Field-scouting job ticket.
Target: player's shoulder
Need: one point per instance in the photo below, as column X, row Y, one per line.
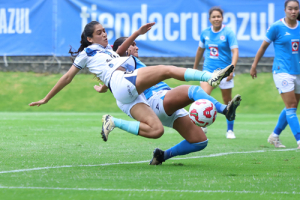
column 206, row 30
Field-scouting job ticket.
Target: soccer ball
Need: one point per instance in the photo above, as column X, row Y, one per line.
column 203, row 112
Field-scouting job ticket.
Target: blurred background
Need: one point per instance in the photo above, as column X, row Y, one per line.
column 36, row 35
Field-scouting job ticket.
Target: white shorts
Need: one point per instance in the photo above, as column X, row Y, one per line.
column 123, row 86
column 286, row 82
column 156, row 103
column 127, row 107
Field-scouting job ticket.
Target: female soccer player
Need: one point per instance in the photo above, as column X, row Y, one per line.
column 110, row 68
column 217, row 43
column 285, row 35
column 168, row 105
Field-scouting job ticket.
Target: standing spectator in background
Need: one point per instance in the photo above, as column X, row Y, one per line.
column 286, row 69
column 219, row 42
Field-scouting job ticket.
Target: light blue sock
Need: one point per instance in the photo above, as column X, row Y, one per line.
column 196, row 92
column 281, row 123
column 292, row 120
column 230, row 125
column 184, row 147
column 196, row 75
column 129, row 126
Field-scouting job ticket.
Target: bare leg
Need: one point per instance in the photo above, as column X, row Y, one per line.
column 226, row 94
column 206, row 87
column 188, row 130
column 149, row 76
column 150, row 125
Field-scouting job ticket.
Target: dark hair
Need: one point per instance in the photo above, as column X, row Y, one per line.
column 215, row 8
column 287, row 1
column 87, row 32
column 118, row 42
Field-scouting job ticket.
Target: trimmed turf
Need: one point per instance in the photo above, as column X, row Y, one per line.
column 243, row 168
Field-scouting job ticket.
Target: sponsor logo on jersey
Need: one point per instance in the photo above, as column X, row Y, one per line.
column 207, row 38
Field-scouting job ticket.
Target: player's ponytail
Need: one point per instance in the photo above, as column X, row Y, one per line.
column 87, row 32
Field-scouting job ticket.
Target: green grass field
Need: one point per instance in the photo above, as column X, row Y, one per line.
column 56, row 151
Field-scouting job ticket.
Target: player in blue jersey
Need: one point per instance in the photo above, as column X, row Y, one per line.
column 220, row 48
column 168, row 104
column 96, row 54
column 285, row 35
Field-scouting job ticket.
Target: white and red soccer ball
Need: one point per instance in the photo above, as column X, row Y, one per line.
column 203, row 112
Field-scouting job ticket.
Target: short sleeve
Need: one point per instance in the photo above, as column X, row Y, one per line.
column 80, row 60
column 232, row 40
column 202, row 41
column 271, row 34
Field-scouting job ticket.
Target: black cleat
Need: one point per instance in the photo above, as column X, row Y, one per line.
column 231, row 107
column 158, row 157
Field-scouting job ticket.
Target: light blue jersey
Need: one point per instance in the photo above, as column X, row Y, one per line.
column 286, row 45
column 159, row 86
column 218, row 46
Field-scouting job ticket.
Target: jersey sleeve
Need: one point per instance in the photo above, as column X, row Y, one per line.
column 271, row 34
column 202, row 41
column 80, row 60
column 232, row 40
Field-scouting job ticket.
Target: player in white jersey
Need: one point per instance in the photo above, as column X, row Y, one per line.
column 217, row 43
column 168, row 104
column 285, row 35
column 95, row 54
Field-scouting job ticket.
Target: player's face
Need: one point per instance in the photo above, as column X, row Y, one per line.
column 216, row 19
column 292, row 10
column 99, row 36
column 133, row 50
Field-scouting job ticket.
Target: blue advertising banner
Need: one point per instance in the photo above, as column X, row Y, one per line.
column 50, row 27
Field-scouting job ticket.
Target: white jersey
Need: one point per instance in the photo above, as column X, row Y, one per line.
column 102, row 61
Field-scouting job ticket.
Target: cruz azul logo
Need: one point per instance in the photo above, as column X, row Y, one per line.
column 214, row 51
column 295, row 45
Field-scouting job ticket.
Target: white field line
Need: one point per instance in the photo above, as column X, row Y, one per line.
column 137, row 162
column 148, row 190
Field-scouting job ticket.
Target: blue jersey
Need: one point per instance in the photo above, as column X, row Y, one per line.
column 286, row 45
column 217, row 47
column 159, row 86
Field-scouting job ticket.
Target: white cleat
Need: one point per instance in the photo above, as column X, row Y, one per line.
column 219, row 74
column 204, row 129
column 107, row 126
column 230, row 135
column 275, row 141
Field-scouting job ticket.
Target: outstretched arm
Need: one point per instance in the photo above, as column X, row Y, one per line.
column 259, row 54
column 100, row 88
column 198, row 57
column 142, row 30
column 62, row 82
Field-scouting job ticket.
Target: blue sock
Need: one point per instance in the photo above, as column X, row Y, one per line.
column 196, row 75
column 230, row 125
column 184, row 147
column 196, row 92
column 281, row 123
column 129, row 126
column 292, row 120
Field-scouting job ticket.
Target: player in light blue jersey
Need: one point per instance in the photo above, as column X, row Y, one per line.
column 219, row 46
column 168, row 104
column 285, row 35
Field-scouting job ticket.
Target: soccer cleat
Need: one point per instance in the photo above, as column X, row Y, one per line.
column 275, row 141
column 158, row 157
column 107, row 126
column 231, row 107
column 204, row 129
column 230, row 135
column 219, row 74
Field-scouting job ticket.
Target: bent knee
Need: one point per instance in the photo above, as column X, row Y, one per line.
column 158, row 132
